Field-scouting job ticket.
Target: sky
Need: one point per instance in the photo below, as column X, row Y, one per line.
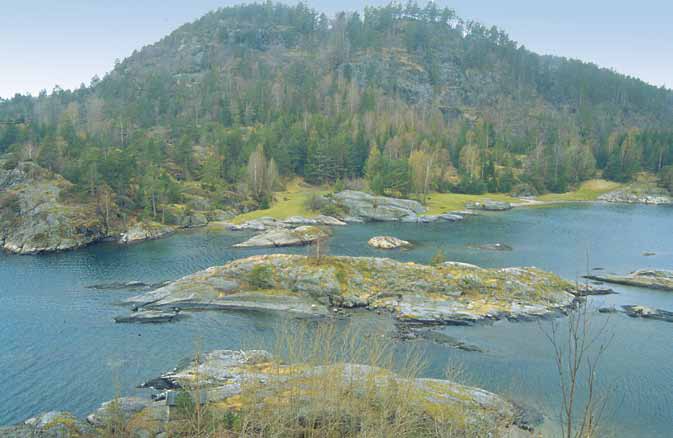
column 44, row 43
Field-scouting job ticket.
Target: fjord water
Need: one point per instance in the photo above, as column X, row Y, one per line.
column 60, row 349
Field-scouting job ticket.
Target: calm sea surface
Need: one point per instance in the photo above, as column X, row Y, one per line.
column 60, row 349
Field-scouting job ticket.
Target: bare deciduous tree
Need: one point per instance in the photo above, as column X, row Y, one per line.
column 578, row 350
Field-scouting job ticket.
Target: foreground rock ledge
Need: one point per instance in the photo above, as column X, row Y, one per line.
column 229, row 381
column 451, row 293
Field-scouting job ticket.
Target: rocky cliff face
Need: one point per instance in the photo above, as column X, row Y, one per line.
column 35, row 217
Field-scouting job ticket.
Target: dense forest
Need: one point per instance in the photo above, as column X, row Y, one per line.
column 409, row 98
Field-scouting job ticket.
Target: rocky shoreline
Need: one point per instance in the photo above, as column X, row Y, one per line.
column 37, row 214
column 646, row 278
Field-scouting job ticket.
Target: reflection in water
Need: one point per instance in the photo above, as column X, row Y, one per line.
column 60, row 348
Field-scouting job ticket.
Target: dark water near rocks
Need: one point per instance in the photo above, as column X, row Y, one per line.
column 60, row 349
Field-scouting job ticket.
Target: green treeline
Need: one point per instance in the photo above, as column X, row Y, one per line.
column 410, row 97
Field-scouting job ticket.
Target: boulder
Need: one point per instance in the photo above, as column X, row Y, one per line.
column 377, row 208
column 304, row 235
column 145, row 231
column 488, row 205
column 388, row 242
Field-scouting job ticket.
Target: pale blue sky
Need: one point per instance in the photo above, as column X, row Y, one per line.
column 66, row 42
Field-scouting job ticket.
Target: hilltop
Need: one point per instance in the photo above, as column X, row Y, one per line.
column 399, row 100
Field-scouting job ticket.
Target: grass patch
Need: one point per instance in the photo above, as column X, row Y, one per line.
column 438, row 203
column 587, row 191
column 291, row 202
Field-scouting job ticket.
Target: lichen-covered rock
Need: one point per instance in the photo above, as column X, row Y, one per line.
column 377, row 208
column 233, row 378
column 412, row 292
column 648, row 278
column 388, row 242
column 304, row 235
column 145, row 231
column 35, row 217
column 489, row 205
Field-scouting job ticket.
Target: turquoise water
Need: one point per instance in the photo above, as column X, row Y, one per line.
column 60, row 348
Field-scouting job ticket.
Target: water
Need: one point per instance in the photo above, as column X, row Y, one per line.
column 60, row 348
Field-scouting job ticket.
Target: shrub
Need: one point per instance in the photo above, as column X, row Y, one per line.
column 438, row 258
column 315, row 202
column 261, row 277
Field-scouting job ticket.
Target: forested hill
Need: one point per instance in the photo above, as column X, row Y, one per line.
column 378, row 95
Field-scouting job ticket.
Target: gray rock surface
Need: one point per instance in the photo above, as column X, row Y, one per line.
column 489, row 205
column 149, row 317
column 639, row 194
column 300, row 236
column 145, row 231
column 377, row 208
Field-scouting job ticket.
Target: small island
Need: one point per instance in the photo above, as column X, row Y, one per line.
column 449, row 293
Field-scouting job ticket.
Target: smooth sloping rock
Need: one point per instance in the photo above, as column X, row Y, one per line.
column 134, row 285
column 145, row 231
column 148, row 317
column 648, row 278
column 377, row 208
column 300, row 236
column 388, row 242
column 329, row 220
